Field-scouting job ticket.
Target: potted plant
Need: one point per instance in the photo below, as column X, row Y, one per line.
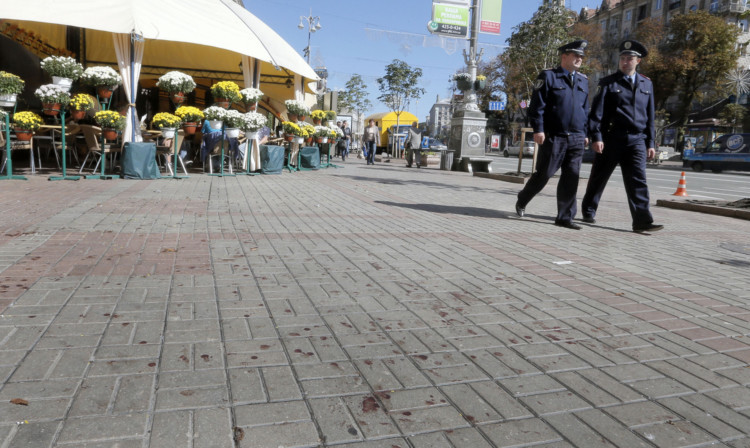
column 25, row 124
column 334, row 133
column 53, row 98
column 177, row 84
column 234, row 120
column 330, row 116
column 308, row 132
column 321, row 134
column 190, row 116
column 111, row 123
column 254, row 121
column 250, row 97
column 296, row 110
column 104, row 79
column 167, row 123
column 215, row 115
column 463, row 81
column 480, row 83
column 318, row 116
column 291, row 130
column 79, row 104
column 225, row 92
column 63, row 70
column 10, row 86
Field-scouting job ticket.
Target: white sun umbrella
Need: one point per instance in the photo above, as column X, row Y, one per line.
column 147, row 32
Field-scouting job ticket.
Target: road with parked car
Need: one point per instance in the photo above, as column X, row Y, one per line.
column 662, row 179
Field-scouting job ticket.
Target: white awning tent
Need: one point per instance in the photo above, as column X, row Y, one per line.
column 205, row 38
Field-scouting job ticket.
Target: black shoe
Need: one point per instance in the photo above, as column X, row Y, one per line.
column 648, row 228
column 520, row 211
column 589, row 220
column 568, row 225
column 408, row 166
column 417, row 166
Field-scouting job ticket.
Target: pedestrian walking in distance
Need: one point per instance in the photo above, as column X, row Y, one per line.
column 558, row 115
column 621, row 126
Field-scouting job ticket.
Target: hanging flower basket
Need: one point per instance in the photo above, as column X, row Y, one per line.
column 178, row 98
column 104, row 92
column 23, row 135
column 8, row 99
column 109, row 134
column 77, row 115
column 480, row 84
column 189, row 127
column 463, row 84
column 51, row 108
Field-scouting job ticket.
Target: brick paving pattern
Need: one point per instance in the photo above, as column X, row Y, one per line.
column 363, row 307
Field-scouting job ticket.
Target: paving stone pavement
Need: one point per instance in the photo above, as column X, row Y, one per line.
column 363, row 307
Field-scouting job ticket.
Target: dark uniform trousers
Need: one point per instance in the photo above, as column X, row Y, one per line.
column 630, row 152
column 557, row 152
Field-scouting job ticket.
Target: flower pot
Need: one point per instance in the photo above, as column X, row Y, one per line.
column 167, row 132
column 289, row 137
column 232, row 132
column 292, row 117
column 216, row 124
column 109, row 134
column 189, row 127
column 299, row 140
column 223, row 102
column 51, row 108
column 301, row 118
column 251, row 135
column 77, row 114
column 480, row 84
column 104, row 92
column 64, row 83
column 252, row 106
column 316, row 121
column 8, row 99
column 23, row 135
column 309, row 141
column 463, row 84
column 178, row 98
column 322, row 139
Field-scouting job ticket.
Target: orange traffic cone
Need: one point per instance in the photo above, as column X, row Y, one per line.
column 681, row 186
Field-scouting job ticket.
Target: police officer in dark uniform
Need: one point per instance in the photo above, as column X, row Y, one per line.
column 558, row 114
column 621, row 126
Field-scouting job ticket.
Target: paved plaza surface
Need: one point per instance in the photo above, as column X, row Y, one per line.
column 364, row 307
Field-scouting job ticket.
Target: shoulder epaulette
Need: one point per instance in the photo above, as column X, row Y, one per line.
column 646, row 77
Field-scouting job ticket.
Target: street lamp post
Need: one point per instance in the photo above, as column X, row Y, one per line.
column 313, row 25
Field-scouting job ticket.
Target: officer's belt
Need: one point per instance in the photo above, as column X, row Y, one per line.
column 567, row 134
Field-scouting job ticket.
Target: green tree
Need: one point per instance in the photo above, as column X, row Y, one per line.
column 354, row 96
column 399, row 86
column 532, row 47
column 733, row 115
column 702, row 49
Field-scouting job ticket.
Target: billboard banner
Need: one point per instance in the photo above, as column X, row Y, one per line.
column 450, row 20
column 489, row 16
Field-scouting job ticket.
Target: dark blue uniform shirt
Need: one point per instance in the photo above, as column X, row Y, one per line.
column 619, row 110
column 557, row 107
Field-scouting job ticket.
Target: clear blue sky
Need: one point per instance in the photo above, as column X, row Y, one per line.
column 363, row 37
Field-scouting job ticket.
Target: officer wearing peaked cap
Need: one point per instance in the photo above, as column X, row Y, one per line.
column 558, row 115
column 621, row 127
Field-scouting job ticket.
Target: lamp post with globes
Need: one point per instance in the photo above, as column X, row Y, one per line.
column 313, row 25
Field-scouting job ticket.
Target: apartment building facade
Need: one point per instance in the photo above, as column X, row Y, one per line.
column 440, row 116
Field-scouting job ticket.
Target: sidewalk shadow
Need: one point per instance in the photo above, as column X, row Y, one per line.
column 432, row 184
column 454, row 210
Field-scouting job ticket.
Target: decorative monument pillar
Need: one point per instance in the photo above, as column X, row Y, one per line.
column 468, row 124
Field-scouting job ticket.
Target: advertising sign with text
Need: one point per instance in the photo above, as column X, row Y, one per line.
column 450, row 20
column 489, row 17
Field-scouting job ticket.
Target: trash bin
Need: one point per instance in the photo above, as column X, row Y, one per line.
column 446, row 160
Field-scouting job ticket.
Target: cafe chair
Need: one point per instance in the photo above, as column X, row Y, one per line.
column 163, row 152
column 72, row 132
column 93, row 134
column 20, row 145
column 216, row 154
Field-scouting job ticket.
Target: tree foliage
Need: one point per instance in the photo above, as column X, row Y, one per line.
column 399, row 86
column 733, row 115
column 702, row 49
column 532, row 47
column 354, row 96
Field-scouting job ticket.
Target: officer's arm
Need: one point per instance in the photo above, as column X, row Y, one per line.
column 536, row 108
column 595, row 118
column 650, row 126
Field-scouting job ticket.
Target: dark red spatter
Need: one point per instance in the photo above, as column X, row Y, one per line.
column 265, row 347
column 205, row 357
column 370, row 405
column 422, row 357
column 184, row 358
column 470, row 418
column 368, row 362
column 152, row 364
column 406, row 413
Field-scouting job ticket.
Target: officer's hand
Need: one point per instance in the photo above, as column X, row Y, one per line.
column 539, row 138
column 651, row 153
column 598, row 147
column 586, row 141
